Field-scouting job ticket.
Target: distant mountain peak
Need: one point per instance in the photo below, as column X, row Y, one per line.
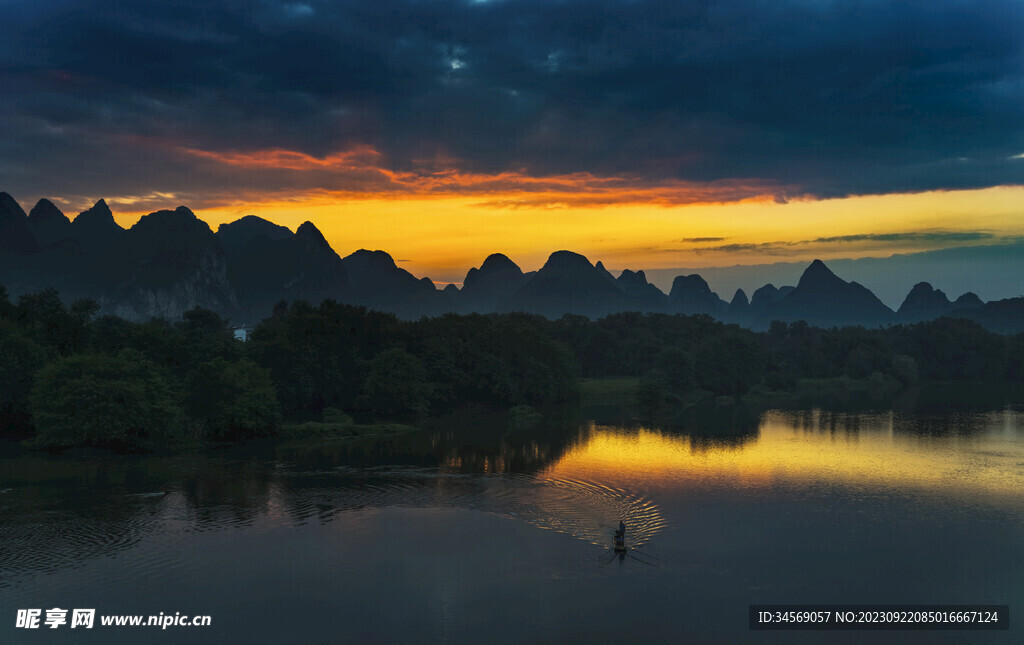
column 635, row 285
column 308, row 231
column 764, row 296
column 242, row 232
column 10, row 208
column 923, row 303
column 247, row 221
column 632, row 278
column 689, row 284
column 15, row 234
column 569, row 283
column 44, row 211
column 98, row 215
column 924, row 293
column 494, row 282
column 969, row 299
column 603, row 271
column 95, row 228
column 181, row 219
column 377, row 257
column 691, row 294
column 48, row 224
column 823, row 299
column 818, row 276
column 369, row 262
column 499, row 262
column 567, row 260
column 101, row 208
column 739, row 298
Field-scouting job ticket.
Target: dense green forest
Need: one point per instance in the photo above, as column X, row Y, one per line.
column 70, row 377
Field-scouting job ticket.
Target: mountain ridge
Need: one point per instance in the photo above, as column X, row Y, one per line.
column 171, row 261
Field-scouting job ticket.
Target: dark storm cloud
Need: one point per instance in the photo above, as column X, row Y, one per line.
column 831, row 98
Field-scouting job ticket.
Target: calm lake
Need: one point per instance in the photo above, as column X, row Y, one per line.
column 481, row 535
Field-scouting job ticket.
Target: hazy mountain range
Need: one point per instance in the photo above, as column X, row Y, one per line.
column 993, row 271
column 171, row 261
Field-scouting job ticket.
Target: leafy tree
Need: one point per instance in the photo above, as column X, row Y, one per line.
column 317, row 355
column 729, row 363
column 85, row 309
column 904, row 368
column 500, row 360
column 5, row 303
column 118, row 400
column 21, row 359
column 675, row 364
column 232, row 400
column 396, row 387
column 44, row 316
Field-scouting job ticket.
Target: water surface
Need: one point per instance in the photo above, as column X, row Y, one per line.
column 482, row 534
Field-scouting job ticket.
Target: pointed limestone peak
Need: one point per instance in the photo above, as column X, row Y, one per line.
column 15, row 234
column 98, row 216
column 603, row 271
column 307, row 231
column 10, row 208
column 46, row 211
column 739, row 299
column 48, row 224
column 818, row 276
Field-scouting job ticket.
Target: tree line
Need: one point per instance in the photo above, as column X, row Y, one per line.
column 69, row 376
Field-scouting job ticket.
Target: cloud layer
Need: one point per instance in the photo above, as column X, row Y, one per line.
column 874, row 241
column 795, row 97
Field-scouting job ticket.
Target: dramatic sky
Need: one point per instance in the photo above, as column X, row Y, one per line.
column 648, row 134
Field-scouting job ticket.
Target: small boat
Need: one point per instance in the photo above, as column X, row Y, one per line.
column 619, row 541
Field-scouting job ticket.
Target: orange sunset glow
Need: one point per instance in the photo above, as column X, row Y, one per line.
column 442, row 223
column 439, row 221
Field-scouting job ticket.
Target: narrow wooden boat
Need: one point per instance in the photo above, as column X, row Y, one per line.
column 619, row 541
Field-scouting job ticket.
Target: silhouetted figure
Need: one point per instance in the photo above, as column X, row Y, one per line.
column 620, row 538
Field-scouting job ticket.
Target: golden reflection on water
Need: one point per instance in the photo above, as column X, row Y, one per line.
column 977, row 454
